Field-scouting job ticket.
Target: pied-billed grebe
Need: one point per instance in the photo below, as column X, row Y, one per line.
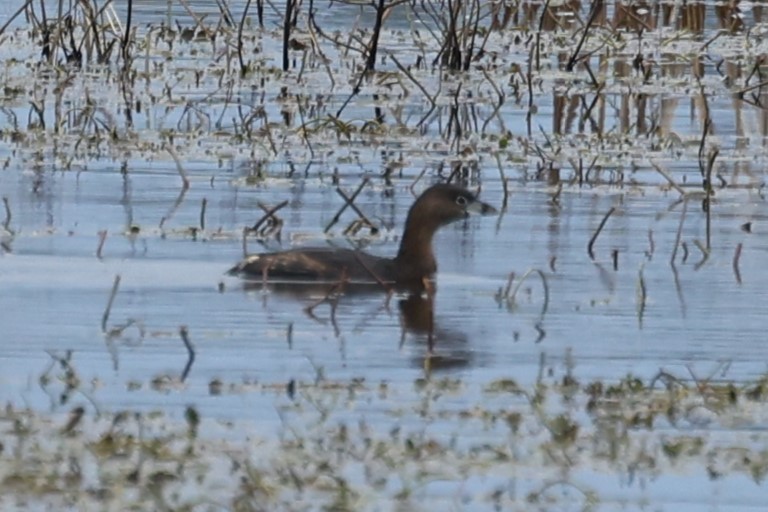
column 437, row 206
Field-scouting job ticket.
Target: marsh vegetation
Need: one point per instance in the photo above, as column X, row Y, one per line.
column 599, row 344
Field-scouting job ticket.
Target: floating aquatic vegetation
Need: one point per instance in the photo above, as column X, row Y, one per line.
column 509, row 446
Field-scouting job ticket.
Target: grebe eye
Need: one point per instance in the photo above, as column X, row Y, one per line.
column 461, row 201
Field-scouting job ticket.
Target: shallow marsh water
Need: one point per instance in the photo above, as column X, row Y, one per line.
column 699, row 324
column 54, row 279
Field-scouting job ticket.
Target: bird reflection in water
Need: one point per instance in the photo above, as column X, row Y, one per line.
column 417, row 317
column 445, row 347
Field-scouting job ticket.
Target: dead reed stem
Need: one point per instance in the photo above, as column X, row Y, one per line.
column 304, row 133
column 651, row 244
column 416, row 180
column 556, row 196
column 508, row 288
column 456, row 126
column 203, row 206
column 15, row 15
column 736, row 257
column 226, row 13
column 347, row 202
column 127, row 35
column 199, row 25
column 544, row 12
column 373, row 46
column 502, row 98
column 739, row 93
column 354, row 207
column 8, row 216
column 597, row 233
column 708, row 198
column 102, row 239
column 529, row 80
column 702, row 143
column 355, row 92
column 289, row 335
column 332, row 297
column 704, row 254
column 289, row 4
column 269, row 214
column 275, row 224
column 679, row 291
column 667, row 177
column 108, row 309
column 184, row 179
column 430, row 98
column 184, row 333
column 679, row 234
column 596, row 6
column 642, row 294
column 175, row 206
column 243, row 66
column 260, row 11
column 545, row 285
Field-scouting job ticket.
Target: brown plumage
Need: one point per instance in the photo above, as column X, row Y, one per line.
column 415, row 261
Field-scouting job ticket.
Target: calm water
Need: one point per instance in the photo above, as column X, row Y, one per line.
column 57, row 288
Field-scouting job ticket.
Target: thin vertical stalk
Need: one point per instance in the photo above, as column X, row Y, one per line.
column 243, row 67
column 370, row 64
column 287, row 32
column 127, row 34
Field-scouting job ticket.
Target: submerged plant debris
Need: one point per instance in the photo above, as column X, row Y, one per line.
column 356, row 445
column 508, row 89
